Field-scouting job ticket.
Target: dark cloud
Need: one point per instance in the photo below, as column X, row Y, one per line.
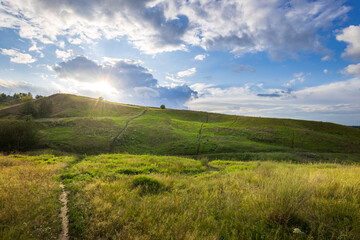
column 268, row 95
column 127, row 76
column 229, row 42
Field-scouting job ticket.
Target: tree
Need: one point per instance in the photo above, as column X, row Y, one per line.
column 45, row 108
column 28, row 108
column 18, row 135
column 162, row 106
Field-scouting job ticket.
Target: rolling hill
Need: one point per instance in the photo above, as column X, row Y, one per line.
column 92, row 126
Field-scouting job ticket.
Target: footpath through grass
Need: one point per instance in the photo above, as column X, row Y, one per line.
column 149, row 197
column 29, row 196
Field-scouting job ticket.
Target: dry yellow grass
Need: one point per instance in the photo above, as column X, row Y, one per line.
column 29, row 192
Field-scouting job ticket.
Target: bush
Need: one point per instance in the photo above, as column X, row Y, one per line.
column 147, row 184
column 17, row 135
column 162, row 106
column 45, row 108
column 28, row 108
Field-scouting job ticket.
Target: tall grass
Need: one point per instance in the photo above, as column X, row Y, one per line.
column 231, row 200
column 29, row 192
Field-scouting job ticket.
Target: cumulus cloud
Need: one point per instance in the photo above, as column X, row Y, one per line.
column 352, row 69
column 187, row 73
column 351, row 36
column 280, row 27
column 18, row 57
column 200, row 57
column 64, row 54
column 132, row 82
column 328, row 102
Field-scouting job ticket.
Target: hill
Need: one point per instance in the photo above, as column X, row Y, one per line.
column 92, row 126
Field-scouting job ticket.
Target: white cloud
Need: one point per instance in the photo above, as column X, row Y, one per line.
column 351, row 36
column 170, row 25
column 326, row 71
column 37, row 49
column 18, row 57
column 187, row 73
column 328, row 102
column 200, row 57
column 75, row 40
column 326, row 58
column 352, row 69
column 61, row 44
column 64, row 54
column 298, row 77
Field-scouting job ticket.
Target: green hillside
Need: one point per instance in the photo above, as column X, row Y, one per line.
column 92, row 126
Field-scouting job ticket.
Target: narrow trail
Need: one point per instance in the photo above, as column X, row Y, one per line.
column 200, row 134
column 64, row 235
column 112, row 145
column 236, row 118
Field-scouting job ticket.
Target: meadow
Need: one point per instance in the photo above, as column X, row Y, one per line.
column 148, row 197
column 175, row 174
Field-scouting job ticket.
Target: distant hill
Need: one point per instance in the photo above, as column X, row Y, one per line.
column 87, row 125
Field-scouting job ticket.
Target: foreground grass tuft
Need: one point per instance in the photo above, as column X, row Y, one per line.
column 147, row 184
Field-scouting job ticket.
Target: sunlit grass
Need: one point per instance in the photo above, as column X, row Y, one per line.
column 29, row 192
column 225, row 200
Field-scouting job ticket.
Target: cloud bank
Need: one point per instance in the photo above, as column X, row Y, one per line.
column 327, row 102
column 125, row 80
column 280, row 27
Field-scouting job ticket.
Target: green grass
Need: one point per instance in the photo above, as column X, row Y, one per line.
column 88, row 126
column 124, row 196
column 29, row 192
column 149, row 197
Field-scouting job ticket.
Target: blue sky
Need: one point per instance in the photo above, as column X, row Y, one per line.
column 271, row 58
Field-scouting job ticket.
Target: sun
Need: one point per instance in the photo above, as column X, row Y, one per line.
column 102, row 87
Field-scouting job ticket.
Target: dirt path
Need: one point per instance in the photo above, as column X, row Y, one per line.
column 64, row 235
column 200, row 134
column 112, row 145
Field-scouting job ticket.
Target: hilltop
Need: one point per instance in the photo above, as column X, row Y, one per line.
column 86, row 125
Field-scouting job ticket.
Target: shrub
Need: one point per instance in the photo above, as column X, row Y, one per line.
column 45, row 108
column 28, row 108
column 162, row 106
column 147, row 184
column 17, row 135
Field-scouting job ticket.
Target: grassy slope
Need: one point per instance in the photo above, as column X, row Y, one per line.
column 185, row 199
column 29, row 192
column 86, row 125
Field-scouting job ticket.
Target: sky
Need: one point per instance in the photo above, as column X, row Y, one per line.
column 266, row 58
